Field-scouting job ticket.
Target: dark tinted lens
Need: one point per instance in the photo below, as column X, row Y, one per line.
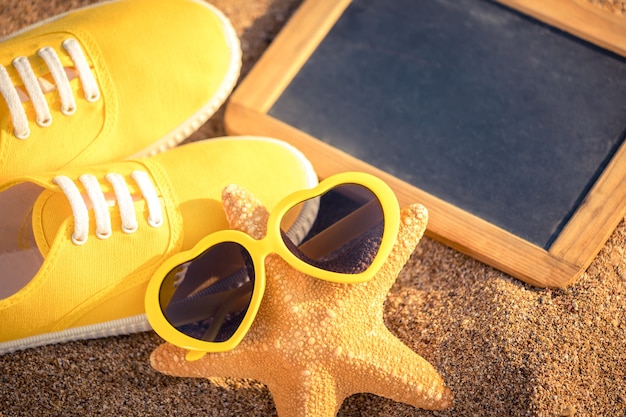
column 208, row 297
column 347, row 233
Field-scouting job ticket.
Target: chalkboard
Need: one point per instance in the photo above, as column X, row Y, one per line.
column 497, row 114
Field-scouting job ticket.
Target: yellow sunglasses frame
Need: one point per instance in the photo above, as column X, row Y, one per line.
column 260, row 249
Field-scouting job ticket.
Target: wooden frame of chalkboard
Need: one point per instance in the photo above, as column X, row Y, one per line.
column 578, row 240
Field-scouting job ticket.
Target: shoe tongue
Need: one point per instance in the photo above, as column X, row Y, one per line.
column 50, row 211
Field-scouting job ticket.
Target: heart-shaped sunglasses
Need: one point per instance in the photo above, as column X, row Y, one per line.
column 206, row 299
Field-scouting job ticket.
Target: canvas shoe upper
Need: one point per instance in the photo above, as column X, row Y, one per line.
column 110, row 81
column 78, row 246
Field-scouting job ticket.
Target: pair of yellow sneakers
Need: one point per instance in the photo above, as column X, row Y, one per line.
column 90, row 206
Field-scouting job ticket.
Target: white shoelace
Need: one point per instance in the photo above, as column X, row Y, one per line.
column 37, row 87
column 100, row 206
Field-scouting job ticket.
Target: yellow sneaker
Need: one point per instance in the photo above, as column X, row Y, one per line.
column 115, row 80
column 78, row 246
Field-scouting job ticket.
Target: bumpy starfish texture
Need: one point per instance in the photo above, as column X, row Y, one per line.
column 314, row 343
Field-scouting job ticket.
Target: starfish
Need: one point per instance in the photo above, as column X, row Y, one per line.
column 313, row 343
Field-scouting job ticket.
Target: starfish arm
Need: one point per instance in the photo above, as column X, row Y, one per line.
column 394, row 371
column 413, row 221
column 306, row 393
column 296, row 392
column 238, row 363
column 244, row 211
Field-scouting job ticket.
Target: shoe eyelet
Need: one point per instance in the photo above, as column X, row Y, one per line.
column 155, row 222
column 94, row 97
column 65, row 44
column 23, row 135
column 77, row 241
column 44, row 50
column 44, row 122
column 19, row 60
column 103, row 236
column 129, row 229
column 68, row 111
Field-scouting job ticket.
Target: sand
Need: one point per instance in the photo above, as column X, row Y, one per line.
column 504, row 347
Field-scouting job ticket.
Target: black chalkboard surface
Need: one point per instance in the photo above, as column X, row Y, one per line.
column 496, row 113
column 468, row 101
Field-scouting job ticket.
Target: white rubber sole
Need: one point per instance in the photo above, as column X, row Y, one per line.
column 123, row 326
